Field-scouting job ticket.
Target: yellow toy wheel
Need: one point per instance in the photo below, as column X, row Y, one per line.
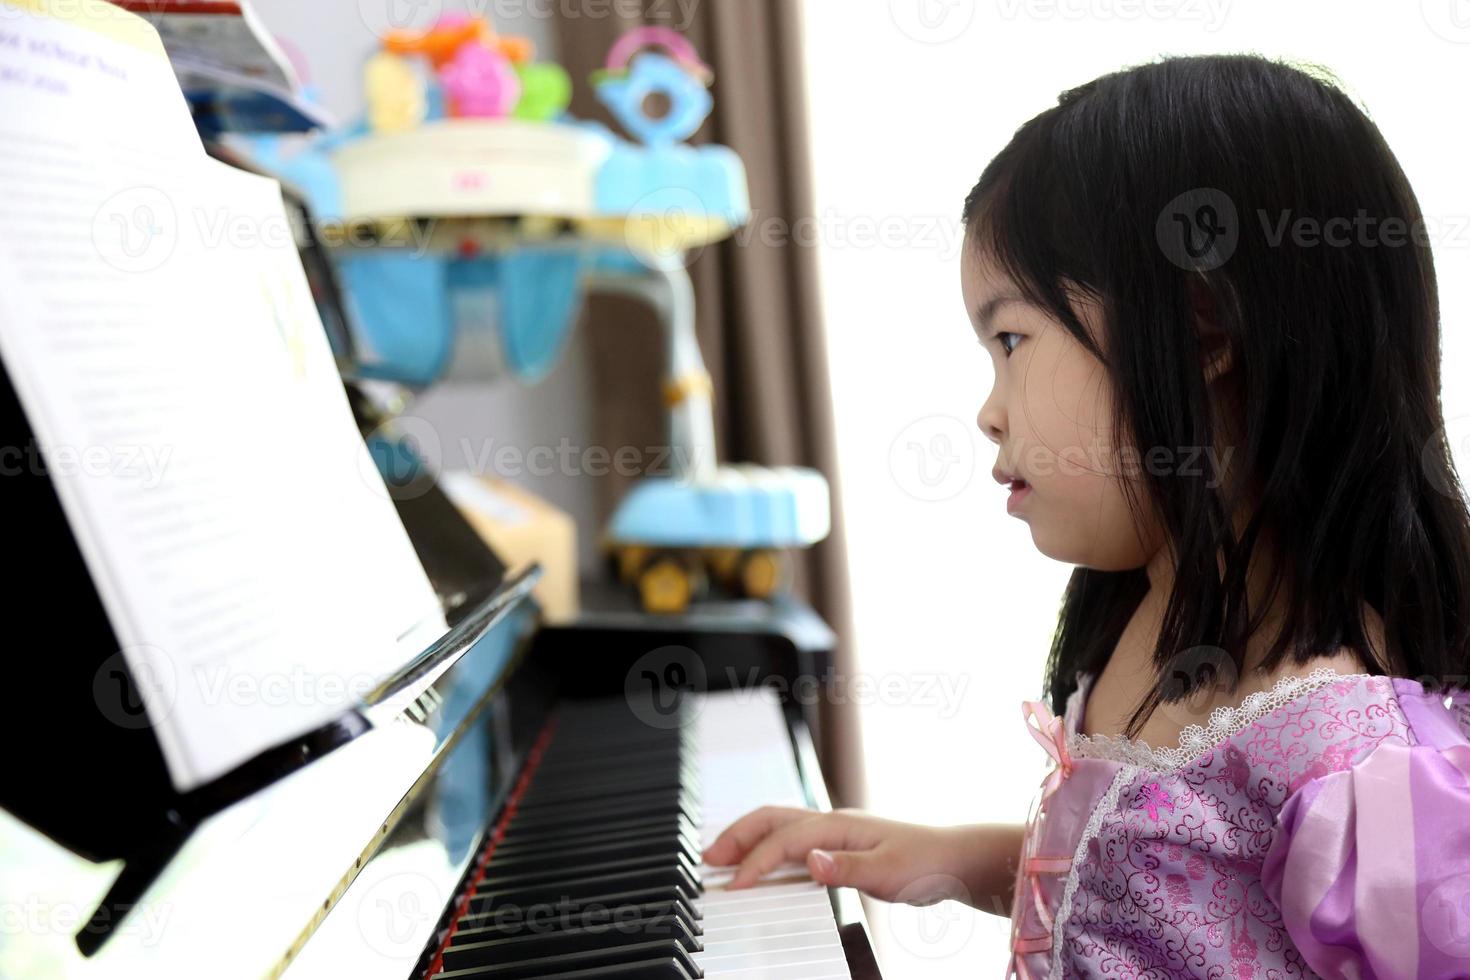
column 665, row 586
column 761, row 574
column 724, row 564
column 630, row 559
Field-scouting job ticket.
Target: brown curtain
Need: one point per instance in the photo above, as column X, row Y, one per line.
column 759, row 320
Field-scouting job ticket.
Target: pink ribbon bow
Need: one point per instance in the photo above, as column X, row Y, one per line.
column 1051, row 733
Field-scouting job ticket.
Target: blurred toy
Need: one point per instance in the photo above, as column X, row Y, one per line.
column 666, row 195
column 478, row 73
column 476, row 216
column 480, row 81
column 675, row 535
column 396, row 98
column 683, row 80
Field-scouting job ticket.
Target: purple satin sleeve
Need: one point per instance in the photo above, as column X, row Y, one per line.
column 1370, row 865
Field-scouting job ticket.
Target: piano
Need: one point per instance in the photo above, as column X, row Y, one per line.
column 521, row 800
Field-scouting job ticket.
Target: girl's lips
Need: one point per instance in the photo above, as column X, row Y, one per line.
column 1020, row 490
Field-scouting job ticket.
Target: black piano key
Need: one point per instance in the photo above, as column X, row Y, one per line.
column 530, row 842
column 509, row 921
column 498, row 914
column 605, row 813
column 613, row 785
column 665, row 846
column 533, row 876
column 467, row 951
column 667, row 968
column 586, row 960
column 654, row 800
column 675, row 877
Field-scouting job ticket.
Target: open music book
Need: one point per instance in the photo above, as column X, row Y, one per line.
column 158, row 327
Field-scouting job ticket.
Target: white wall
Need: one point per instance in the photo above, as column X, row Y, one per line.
column 909, row 99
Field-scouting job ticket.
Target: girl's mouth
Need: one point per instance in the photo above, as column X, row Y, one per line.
column 1020, row 490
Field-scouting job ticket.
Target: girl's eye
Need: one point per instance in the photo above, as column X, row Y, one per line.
column 1001, row 336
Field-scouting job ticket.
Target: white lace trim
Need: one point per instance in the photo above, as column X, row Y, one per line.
column 1194, row 741
column 1107, row 805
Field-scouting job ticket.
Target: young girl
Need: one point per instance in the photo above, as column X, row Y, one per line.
column 1207, row 292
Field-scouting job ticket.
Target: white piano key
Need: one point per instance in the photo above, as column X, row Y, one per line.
column 782, row 928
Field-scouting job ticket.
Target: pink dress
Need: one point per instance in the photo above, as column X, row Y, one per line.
column 1321, row 828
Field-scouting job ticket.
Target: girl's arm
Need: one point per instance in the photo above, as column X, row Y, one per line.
column 892, row 861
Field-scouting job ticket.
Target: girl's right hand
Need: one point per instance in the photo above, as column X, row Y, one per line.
column 887, row 859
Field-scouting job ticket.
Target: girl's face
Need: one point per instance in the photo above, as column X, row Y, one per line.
column 1050, row 414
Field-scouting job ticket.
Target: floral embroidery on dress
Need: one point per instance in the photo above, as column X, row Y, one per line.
column 1171, row 884
column 1152, row 797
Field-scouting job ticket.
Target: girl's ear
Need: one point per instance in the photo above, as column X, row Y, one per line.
column 1216, row 354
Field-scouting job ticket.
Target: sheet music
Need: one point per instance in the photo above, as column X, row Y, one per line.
column 159, row 329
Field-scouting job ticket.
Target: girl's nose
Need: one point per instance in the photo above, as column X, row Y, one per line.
column 991, row 421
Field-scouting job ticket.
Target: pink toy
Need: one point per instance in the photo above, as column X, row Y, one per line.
column 663, row 37
column 480, row 82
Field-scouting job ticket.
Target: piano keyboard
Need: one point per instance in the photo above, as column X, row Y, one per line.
column 594, row 869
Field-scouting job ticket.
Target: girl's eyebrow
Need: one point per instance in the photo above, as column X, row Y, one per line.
column 985, row 313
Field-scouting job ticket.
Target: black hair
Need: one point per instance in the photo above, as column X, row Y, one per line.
column 1153, row 187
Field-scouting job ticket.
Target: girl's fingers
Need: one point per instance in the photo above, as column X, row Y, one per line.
column 850, row 869
column 791, row 843
column 742, row 835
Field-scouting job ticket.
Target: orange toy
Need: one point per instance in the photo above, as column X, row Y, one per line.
column 452, row 32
